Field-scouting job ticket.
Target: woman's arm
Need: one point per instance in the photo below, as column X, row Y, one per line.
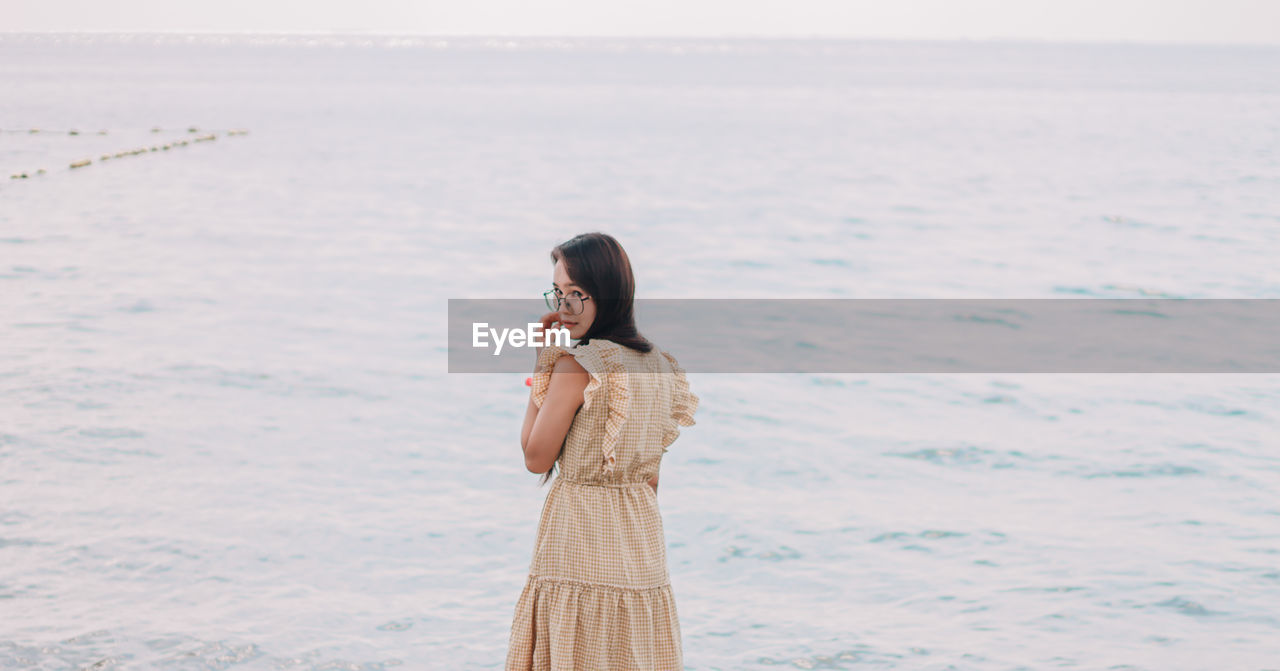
column 545, row 428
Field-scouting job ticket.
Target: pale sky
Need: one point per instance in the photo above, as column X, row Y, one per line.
column 1191, row 21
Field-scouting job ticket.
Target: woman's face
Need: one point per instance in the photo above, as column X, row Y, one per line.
column 576, row 323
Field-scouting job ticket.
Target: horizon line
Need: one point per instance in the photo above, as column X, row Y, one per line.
column 814, row 37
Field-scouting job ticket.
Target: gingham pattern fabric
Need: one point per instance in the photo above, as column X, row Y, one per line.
column 598, row 596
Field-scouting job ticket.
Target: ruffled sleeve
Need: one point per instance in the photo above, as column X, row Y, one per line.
column 610, row 384
column 684, row 403
column 542, row 372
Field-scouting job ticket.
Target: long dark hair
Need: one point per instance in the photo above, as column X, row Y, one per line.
column 598, row 264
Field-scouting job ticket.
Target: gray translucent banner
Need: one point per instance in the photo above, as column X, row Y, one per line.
column 895, row 335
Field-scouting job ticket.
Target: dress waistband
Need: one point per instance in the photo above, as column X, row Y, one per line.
column 584, row 483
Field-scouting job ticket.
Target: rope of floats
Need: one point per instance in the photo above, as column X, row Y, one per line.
column 82, row 163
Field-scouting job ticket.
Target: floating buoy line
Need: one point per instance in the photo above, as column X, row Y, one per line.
column 194, row 135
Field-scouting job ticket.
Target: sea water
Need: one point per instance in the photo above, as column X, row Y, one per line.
column 228, row 438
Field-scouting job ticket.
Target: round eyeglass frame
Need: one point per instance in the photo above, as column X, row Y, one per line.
column 554, row 301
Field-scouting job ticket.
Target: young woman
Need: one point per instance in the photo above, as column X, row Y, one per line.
column 598, row 596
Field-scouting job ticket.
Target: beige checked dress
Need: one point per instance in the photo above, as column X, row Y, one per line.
column 598, row 596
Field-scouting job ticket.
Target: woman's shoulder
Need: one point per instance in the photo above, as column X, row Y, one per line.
column 601, row 350
column 567, row 363
column 608, row 353
column 610, row 361
column 596, row 356
column 595, row 344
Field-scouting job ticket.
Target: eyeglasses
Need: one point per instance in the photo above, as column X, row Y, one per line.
column 574, row 303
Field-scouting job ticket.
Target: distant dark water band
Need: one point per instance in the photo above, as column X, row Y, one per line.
column 895, row 335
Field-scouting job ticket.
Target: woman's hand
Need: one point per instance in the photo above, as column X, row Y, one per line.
column 549, row 320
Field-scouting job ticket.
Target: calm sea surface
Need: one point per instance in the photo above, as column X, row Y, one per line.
column 228, row 441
